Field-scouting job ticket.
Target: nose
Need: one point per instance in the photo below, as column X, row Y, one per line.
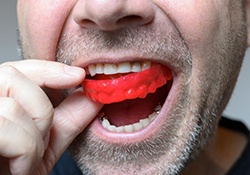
column 113, row 14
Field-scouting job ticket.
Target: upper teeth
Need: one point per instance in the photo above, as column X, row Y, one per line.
column 125, row 67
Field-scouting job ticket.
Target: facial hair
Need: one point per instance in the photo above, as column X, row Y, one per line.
column 167, row 151
column 181, row 137
column 188, row 128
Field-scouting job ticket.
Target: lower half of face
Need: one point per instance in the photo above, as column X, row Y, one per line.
column 162, row 94
column 156, row 132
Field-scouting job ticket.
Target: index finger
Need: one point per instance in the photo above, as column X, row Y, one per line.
column 49, row 73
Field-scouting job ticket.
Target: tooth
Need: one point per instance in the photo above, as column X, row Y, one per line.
column 146, row 65
column 128, row 128
column 136, row 67
column 137, row 126
column 111, row 128
column 124, row 67
column 158, row 108
column 105, row 123
column 92, row 70
column 119, row 129
column 110, row 69
column 99, row 69
column 152, row 116
column 145, row 122
column 133, row 127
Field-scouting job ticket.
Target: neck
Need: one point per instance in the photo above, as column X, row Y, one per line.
column 220, row 155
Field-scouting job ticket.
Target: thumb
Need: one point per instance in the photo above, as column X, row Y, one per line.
column 70, row 118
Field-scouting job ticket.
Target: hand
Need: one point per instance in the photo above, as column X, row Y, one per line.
column 33, row 134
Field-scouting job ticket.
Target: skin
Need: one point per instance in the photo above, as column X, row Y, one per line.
column 188, row 36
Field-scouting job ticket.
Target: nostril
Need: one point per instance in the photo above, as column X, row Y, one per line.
column 132, row 19
column 113, row 14
column 87, row 22
column 113, row 24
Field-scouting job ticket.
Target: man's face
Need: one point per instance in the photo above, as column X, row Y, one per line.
column 201, row 42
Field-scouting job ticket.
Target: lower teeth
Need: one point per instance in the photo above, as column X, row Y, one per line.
column 132, row 127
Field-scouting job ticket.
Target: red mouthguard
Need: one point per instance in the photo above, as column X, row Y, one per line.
column 129, row 86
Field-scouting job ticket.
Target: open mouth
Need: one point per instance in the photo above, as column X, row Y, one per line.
column 132, row 93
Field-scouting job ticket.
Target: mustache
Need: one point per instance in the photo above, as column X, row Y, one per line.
column 145, row 43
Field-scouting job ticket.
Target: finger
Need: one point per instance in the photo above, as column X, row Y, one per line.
column 70, row 118
column 49, row 73
column 24, row 152
column 15, row 85
column 14, row 112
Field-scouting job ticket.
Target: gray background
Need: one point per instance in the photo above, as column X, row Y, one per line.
column 239, row 105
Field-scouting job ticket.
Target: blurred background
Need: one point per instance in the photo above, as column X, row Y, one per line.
column 238, row 107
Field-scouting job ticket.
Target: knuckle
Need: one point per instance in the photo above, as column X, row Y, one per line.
column 8, row 63
column 34, row 148
column 10, row 107
column 30, row 155
column 8, row 74
column 11, row 103
column 8, row 69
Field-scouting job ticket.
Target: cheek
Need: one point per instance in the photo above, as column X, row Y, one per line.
column 40, row 24
column 199, row 22
column 203, row 26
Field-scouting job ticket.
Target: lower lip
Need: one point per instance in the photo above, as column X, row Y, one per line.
column 117, row 138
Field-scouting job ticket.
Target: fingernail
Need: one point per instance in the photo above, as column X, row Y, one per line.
column 74, row 71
